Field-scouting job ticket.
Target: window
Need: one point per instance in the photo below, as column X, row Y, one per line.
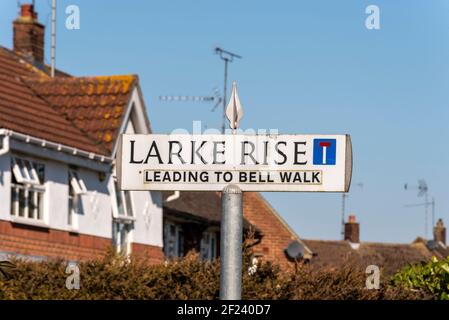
column 173, row 240
column 122, row 236
column 209, row 246
column 25, row 171
column 124, row 208
column 123, row 220
column 27, row 189
column 77, row 188
column 77, row 184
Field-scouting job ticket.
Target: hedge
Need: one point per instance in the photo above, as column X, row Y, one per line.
column 113, row 277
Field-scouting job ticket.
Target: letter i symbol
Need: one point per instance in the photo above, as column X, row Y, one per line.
column 325, row 145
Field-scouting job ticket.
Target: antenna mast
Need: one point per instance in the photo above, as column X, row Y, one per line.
column 53, row 38
column 227, row 57
column 343, row 209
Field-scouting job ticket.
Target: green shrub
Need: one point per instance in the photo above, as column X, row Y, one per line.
column 432, row 277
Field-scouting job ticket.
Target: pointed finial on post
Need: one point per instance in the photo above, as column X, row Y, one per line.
column 234, row 111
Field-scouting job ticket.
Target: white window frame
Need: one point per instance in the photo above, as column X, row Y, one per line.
column 78, row 185
column 122, row 236
column 127, row 204
column 24, row 171
column 29, row 190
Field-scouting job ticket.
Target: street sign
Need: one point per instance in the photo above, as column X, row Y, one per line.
column 315, row 163
column 233, row 164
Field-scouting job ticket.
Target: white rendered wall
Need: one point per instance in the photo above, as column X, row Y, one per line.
column 148, row 212
column 95, row 217
column 5, row 190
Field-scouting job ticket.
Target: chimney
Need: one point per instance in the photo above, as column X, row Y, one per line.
column 352, row 230
column 439, row 232
column 29, row 34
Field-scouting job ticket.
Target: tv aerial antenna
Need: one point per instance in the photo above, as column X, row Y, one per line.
column 215, row 98
column 423, row 191
column 227, row 57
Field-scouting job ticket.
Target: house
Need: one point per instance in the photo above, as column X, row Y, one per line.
column 390, row 257
column 58, row 194
column 192, row 222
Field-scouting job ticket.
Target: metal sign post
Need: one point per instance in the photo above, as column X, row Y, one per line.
column 232, row 221
column 231, row 243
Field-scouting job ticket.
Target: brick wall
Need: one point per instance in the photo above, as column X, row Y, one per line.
column 29, row 40
column 276, row 235
column 44, row 242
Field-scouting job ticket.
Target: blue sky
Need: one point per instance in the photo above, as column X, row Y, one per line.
column 307, row 67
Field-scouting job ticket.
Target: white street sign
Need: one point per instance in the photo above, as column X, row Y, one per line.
column 317, row 163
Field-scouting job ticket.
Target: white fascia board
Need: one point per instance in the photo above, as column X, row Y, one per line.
column 4, row 138
column 55, row 155
column 37, row 146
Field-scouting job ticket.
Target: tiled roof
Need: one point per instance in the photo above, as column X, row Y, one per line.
column 390, row 257
column 95, row 105
column 206, row 205
column 84, row 113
